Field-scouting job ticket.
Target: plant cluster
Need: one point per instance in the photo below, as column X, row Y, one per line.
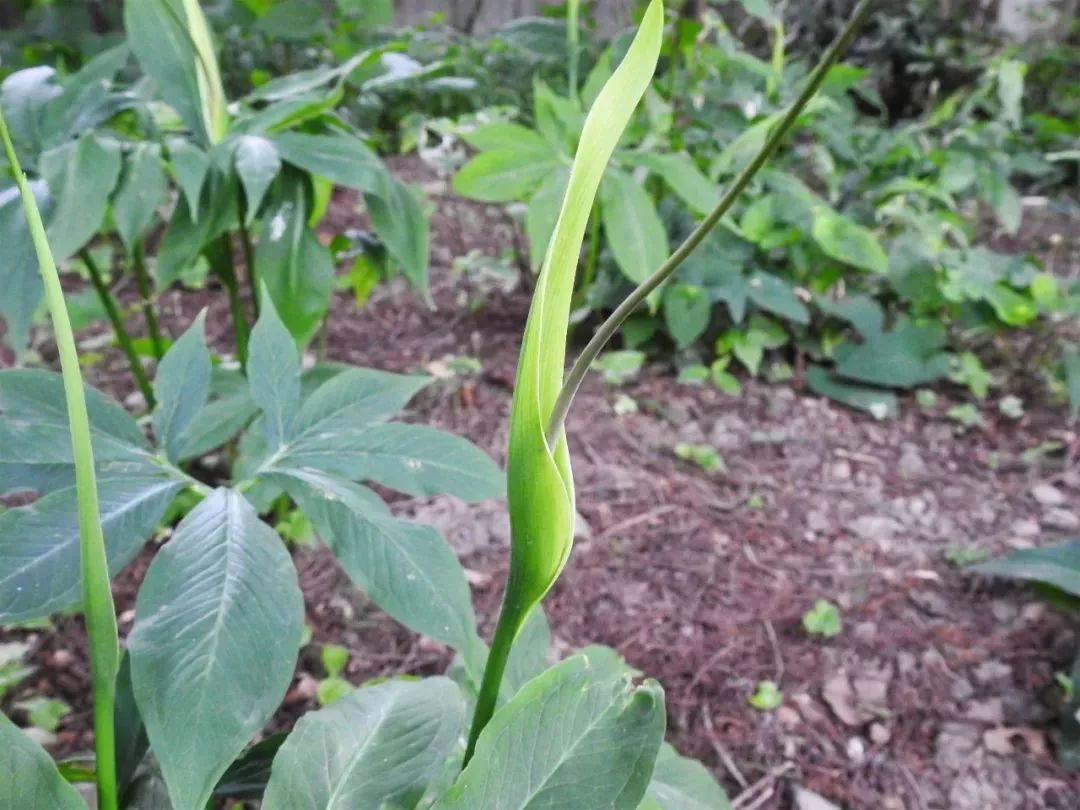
column 855, row 261
column 164, row 179
column 219, row 616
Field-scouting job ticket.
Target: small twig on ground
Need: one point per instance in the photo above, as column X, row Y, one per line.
column 721, row 751
column 762, row 790
column 770, row 631
column 636, row 520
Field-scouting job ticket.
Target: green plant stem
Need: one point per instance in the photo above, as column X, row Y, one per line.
column 117, row 321
column 142, row 279
column 661, row 274
column 249, row 255
column 219, row 254
column 510, row 618
column 98, row 608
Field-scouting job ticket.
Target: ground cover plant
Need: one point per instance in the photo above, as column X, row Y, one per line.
column 857, row 246
column 229, row 188
column 218, row 620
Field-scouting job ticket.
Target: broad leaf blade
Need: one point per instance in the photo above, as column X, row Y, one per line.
column 414, row 459
column 217, row 631
column 679, row 783
column 30, row 779
column 19, row 277
column 376, row 747
column 296, row 269
column 573, row 737
column 257, row 163
column 358, row 397
column 39, row 543
column 81, row 175
column 635, row 231
column 141, row 190
column 274, row 375
column 1054, row 565
column 181, row 388
column 405, row 568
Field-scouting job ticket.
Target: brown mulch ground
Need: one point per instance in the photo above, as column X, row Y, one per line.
column 938, row 692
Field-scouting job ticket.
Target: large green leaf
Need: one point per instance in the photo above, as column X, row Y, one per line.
column 908, row 356
column 864, row 398
column 504, row 175
column 398, row 218
column 848, row 242
column 141, row 190
column 39, row 543
column 217, row 631
column 687, row 310
column 573, row 737
column 775, row 295
column 635, row 232
column 295, row 268
column 543, row 213
column 30, row 779
column 341, row 158
column 274, row 375
column 679, row 783
column 230, row 408
column 19, row 277
column 684, row 178
column 257, row 163
column 1058, row 566
column 35, row 450
column 23, row 96
column 190, row 165
column 171, row 41
column 301, row 83
column 405, row 568
column 375, row 748
column 357, row 396
column 181, row 388
column 88, row 99
column 188, row 236
column 415, row 459
column 540, row 482
column 81, row 175
column 505, row 135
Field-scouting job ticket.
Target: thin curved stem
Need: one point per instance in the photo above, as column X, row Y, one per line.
column 98, row 608
column 608, row 329
column 142, row 279
column 121, row 332
column 501, row 645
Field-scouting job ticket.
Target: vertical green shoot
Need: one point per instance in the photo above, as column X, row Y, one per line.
column 540, row 484
column 97, row 593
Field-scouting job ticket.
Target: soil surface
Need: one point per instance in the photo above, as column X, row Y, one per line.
column 938, row 694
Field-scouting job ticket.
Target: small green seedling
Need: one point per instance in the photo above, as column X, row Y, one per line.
column 695, row 374
column 625, row 405
column 723, row 379
column 766, row 697
column 755, row 501
column 334, row 660
column 967, row 416
column 926, row 399
column 968, row 371
column 44, row 713
column 823, row 619
column 962, row 557
column 702, row 455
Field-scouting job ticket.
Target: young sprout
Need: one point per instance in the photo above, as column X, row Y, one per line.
column 540, row 483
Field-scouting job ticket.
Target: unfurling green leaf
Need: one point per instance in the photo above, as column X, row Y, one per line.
column 541, row 491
